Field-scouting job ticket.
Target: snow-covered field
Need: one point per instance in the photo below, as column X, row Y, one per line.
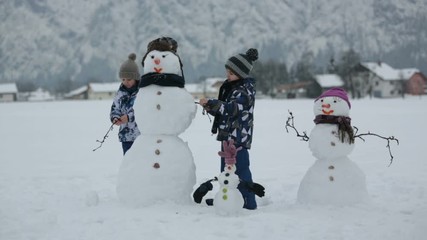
column 48, row 174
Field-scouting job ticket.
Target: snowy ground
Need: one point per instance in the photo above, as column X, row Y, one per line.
column 48, row 172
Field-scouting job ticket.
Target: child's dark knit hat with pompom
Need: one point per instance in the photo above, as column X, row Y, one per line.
column 129, row 69
column 241, row 64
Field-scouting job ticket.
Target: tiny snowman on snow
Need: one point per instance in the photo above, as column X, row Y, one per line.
column 160, row 165
column 228, row 200
column 334, row 178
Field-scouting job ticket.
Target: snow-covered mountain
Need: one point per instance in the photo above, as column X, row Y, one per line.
column 57, row 40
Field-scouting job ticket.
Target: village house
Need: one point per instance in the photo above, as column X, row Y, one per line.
column 207, row 88
column 377, row 79
column 416, row 83
column 92, row 91
column 328, row 81
column 8, row 92
column 302, row 89
column 292, row 90
column 38, row 95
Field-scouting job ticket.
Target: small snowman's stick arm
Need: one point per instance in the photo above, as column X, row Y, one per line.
column 391, row 138
column 290, row 123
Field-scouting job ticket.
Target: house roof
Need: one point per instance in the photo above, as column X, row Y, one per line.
column 40, row 95
column 292, row 86
column 209, row 85
column 105, row 87
column 192, row 87
column 95, row 87
column 407, row 73
column 77, row 91
column 329, row 80
column 8, row 88
column 383, row 70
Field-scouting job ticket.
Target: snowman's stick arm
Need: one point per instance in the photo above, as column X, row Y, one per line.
column 391, row 138
column 105, row 137
column 290, row 123
column 204, row 112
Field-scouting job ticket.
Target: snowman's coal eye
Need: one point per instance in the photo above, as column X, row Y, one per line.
column 163, row 56
column 321, row 100
column 152, row 57
column 335, row 101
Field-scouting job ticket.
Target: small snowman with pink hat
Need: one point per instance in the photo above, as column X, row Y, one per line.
column 333, row 178
column 228, row 200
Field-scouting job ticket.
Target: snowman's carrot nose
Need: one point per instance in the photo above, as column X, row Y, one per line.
column 157, row 61
column 326, row 105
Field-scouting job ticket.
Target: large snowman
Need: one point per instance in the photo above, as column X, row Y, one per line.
column 160, row 165
column 334, row 178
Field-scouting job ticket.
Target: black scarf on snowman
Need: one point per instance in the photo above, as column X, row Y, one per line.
column 344, row 126
column 162, row 79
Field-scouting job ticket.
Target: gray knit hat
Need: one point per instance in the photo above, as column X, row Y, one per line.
column 129, row 69
column 241, row 64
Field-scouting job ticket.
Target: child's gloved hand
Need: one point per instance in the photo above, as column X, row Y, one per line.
column 256, row 188
column 202, row 190
column 229, row 152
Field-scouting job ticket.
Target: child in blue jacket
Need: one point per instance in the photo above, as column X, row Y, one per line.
column 233, row 111
column 122, row 113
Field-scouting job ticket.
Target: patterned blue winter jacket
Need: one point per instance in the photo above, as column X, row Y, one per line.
column 123, row 104
column 234, row 111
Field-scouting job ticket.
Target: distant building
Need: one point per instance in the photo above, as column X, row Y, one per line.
column 78, row 94
column 377, row 79
column 39, row 95
column 208, row 88
column 8, row 92
column 292, row 90
column 416, row 82
column 308, row 88
column 94, row 91
column 327, row 81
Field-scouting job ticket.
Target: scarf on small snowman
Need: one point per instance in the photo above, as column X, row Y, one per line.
column 344, row 126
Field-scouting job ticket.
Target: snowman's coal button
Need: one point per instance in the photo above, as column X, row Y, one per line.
column 157, row 152
column 156, row 166
column 225, row 182
column 331, row 167
column 333, row 132
column 159, row 140
column 159, row 93
column 333, row 144
column 227, row 174
column 158, row 107
column 331, row 178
